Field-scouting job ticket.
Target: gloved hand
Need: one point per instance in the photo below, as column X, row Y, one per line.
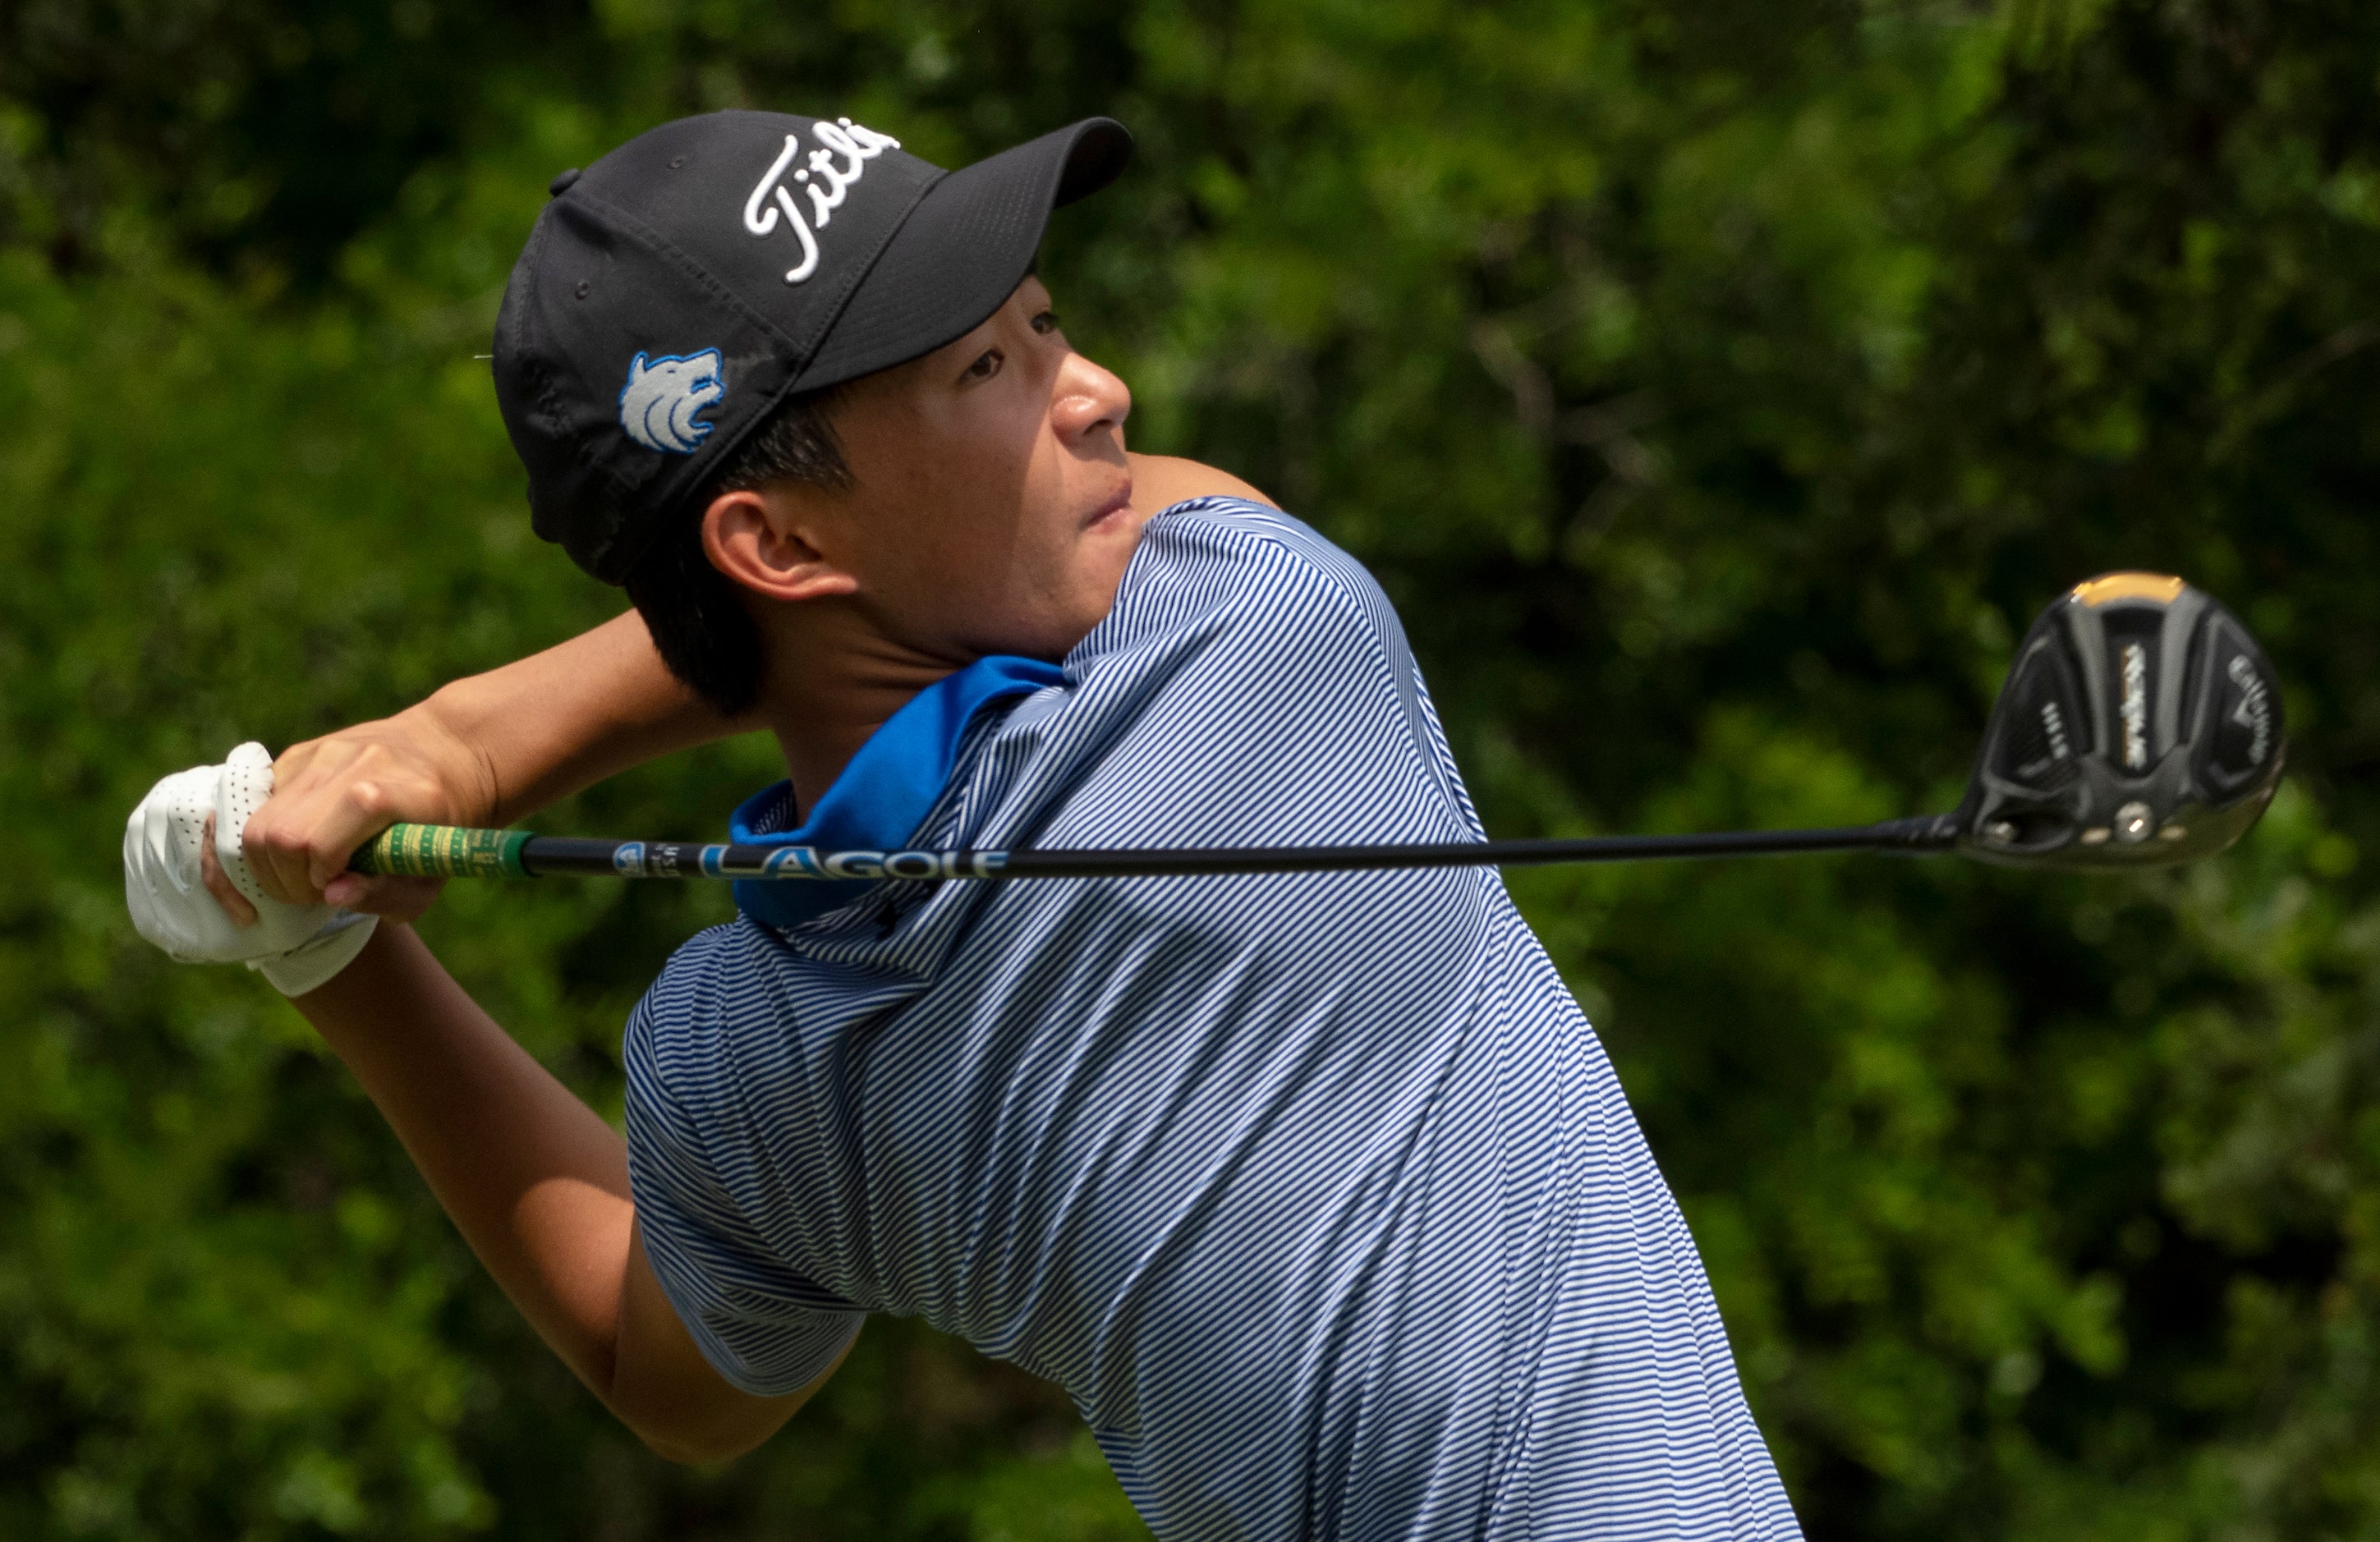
column 297, row 947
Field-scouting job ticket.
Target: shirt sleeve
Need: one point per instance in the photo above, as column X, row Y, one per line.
column 1253, row 685
column 761, row 1323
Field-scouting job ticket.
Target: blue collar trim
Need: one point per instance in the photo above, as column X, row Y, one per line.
column 884, row 793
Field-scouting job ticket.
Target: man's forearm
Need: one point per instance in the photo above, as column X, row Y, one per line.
column 488, row 749
column 535, row 1181
column 539, row 1186
column 565, row 719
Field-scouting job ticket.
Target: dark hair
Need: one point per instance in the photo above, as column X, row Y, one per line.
column 695, row 613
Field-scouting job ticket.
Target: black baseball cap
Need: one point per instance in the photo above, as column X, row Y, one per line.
column 677, row 290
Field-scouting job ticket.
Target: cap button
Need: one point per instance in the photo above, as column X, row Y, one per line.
column 560, row 185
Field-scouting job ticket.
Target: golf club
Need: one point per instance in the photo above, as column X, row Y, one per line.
column 2141, row 726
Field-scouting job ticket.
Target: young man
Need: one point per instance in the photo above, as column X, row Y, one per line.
column 1315, row 1191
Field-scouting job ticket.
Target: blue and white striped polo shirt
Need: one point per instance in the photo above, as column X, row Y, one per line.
column 1315, row 1190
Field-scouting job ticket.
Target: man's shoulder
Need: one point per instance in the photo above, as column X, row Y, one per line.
column 1253, row 520
column 1249, row 524
column 1233, row 567
column 1160, row 481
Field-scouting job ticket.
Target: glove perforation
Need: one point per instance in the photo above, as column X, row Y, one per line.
column 297, row 947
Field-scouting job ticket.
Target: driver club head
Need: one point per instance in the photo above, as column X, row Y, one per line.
column 2140, row 726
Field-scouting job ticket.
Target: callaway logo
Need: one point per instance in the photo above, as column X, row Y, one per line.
column 2254, row 712
column 824, row 180
column 2053, row 724
column 2132, row 711
column 659, row 404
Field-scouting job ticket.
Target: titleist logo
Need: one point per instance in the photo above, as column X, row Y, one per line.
column 826, row 181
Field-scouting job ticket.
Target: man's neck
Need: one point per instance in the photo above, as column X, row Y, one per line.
column 832, row 681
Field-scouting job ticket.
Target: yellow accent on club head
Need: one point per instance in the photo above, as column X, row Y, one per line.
column 2109, row 588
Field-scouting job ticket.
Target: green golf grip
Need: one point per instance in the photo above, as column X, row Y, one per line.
column 444, row 851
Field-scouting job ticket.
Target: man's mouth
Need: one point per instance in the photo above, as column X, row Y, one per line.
column 1118, row 503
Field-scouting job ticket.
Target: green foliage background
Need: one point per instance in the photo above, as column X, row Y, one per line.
column 1718, row 388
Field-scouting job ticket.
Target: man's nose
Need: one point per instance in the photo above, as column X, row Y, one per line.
column 1088, row 400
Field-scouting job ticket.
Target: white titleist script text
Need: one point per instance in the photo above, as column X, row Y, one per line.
column 826, row 181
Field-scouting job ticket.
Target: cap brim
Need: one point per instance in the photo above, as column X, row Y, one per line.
column 963, row 249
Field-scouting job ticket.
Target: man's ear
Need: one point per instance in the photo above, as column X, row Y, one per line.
column 759, row 541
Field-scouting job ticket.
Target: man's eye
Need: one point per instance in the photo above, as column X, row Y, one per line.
column 1046, row 323
column 986, row 366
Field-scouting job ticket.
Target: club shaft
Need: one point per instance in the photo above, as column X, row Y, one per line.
column 438, row 851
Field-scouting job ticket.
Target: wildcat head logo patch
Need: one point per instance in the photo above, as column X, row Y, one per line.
column 659, row 404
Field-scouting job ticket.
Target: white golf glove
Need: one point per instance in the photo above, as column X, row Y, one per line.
column 297, row 947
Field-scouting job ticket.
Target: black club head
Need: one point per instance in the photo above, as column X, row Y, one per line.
column 2140, row 726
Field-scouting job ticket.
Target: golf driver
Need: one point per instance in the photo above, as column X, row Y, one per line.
column 2140, row 726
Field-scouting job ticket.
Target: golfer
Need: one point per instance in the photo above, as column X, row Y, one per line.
column 1314, row 1191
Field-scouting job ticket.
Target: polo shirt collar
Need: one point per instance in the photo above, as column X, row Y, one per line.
column 885, row 792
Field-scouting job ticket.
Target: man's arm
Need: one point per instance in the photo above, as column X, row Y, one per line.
column 485, row 750
column 539, row 1186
